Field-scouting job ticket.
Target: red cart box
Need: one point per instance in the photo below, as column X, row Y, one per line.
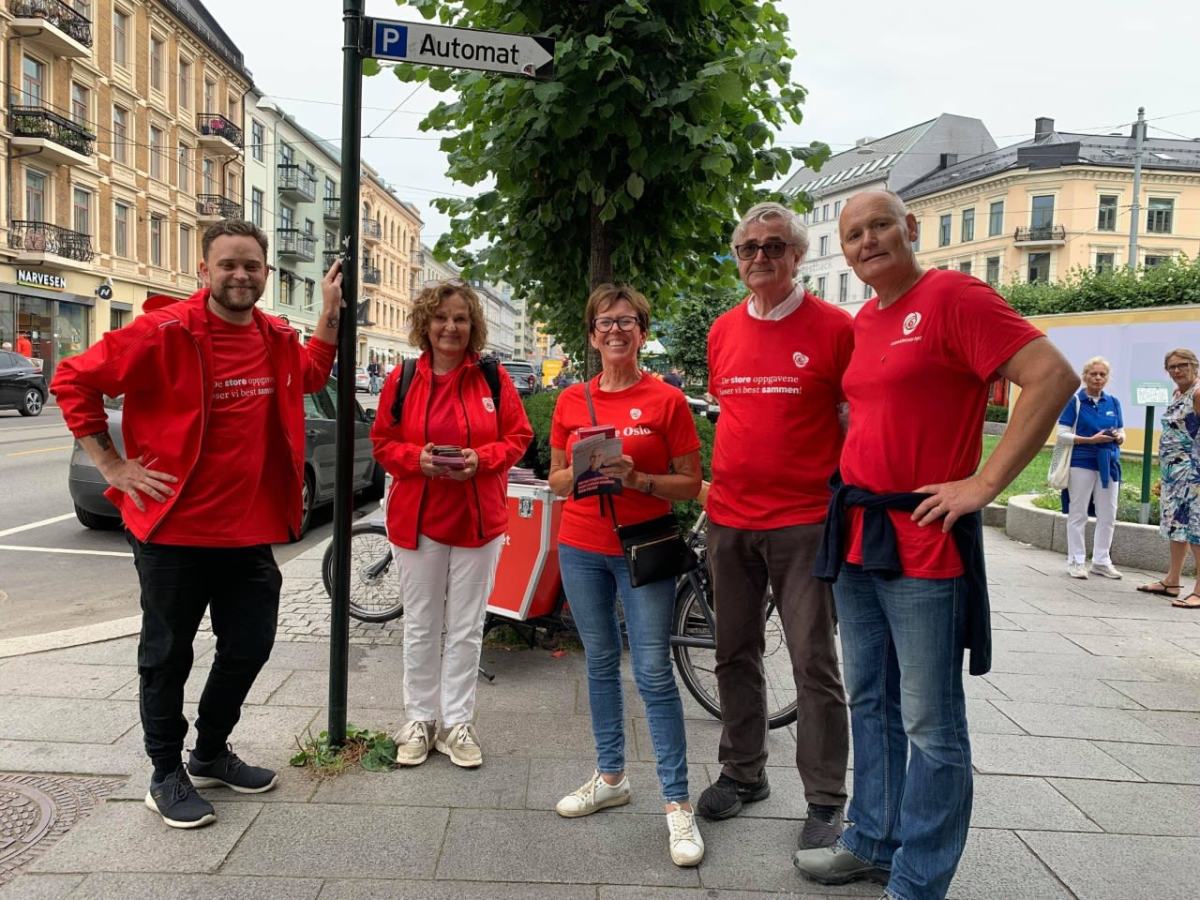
column 528, row 582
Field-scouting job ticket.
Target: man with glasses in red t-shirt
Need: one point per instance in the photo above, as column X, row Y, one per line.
column 910, row 585
column 775, row 365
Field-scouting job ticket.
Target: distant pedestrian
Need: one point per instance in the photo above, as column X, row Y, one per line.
column 7, row 345
column 25, row 345
column 1092, row 420
column 1179, row 460
column 213, row 476
column 373, row 372
column 674, row 379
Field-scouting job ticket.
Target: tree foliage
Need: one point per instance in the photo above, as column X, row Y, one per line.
column 686, row 335
column 631, row 164
column 1085, row 290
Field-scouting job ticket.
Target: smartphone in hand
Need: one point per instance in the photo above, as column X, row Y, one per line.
column 449, row 456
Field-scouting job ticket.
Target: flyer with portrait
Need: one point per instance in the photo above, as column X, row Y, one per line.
column 596, row 444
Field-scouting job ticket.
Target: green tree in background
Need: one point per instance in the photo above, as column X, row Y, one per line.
column 686, row 337
column 632, row 164
column 1171, row 282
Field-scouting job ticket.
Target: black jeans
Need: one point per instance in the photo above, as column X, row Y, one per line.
column 240, row 588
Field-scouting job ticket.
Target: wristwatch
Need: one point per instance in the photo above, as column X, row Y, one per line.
column 648, row 485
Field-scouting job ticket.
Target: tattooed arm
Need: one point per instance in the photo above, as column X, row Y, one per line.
column 127, row 475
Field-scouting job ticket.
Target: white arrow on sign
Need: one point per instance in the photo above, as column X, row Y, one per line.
column 463, row 48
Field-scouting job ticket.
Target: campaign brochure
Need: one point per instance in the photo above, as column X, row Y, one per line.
column 596, row 444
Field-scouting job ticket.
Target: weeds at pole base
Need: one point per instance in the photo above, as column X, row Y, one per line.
column 375, row 751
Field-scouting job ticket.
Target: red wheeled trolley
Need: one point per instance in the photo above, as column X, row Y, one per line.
column 528, row 583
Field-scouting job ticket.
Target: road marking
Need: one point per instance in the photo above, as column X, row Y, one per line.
column 43, row 450
column 33, row 525
column 64, row 550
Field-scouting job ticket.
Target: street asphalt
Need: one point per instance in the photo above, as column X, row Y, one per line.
column 1086, row 744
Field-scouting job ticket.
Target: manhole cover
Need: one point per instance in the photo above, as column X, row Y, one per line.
column 37, row 810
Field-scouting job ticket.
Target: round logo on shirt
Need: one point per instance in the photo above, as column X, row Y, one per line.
column 911, row 321
column 635, row 413
column 489, row 404
column 799, row 359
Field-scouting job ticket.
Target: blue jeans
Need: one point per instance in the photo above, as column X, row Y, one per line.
column 902, row 648
column 593, row 582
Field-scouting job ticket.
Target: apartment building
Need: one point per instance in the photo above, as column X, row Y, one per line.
column 500, row 313
column 391, row 276
column 121, row 143
column 1035, row 210
column 525, row 333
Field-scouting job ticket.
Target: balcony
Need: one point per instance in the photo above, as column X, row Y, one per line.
column 54, row 26
column 297, row 244
column 328, row 257
column 41, row 242
column 213, row 207
column 371, row 230
column 1041, row 236
column 217, row 131
column 297, row 182
column 55, row 138
column 333, row 209
column 371, row 274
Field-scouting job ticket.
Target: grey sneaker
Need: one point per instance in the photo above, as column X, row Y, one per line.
column 836, row 865
column 413, row 742
column 1076, row 570
column 229, row 771
column 822, row 828
column 1106, row 570
column 175, row 799
column 461, row 745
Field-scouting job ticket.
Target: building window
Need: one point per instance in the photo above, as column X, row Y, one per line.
column 156, row 240
column 185, row 168
column 210, row 97
column 993, row 270
column 81, row 210
column 1042, row 213
column 825, row 213
column 258, row 137
column 996, row 218
column 309, row 286
column 965, row 267
column 35, row 195
column 185, row 83
column 1159, row 215
column 1106, row 220
column 1105, row 262
column 309, row 227
column 121, row 22
column 121, row 216
column 185, row 249
column 916, row 244
column 868, row 293
column 944, row 230
column 968, row 224
column 231, row 105
column 1039, row 267
column 232, row 182
column 209, row 170
column 156, row 152
column 287, row 287
column 843, row 287
column 286, row 154
column 287, row 217
column 120, row 136
column 330, row 189
column 157, row 51
column 821, row 287
column 1152, row 261
column 823, row 244
column 33, row 80
column 81, row 104
column 256, row 207
column 837, row 208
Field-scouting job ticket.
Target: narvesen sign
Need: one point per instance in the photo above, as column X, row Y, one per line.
column 463, row 48
column 41, row 279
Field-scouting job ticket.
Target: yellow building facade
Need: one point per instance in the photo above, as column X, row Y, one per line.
column 391, row 274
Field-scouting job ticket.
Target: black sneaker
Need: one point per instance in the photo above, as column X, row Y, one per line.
column 822, row 827
column 175, row 799
column 723, row 798
column 229, row 771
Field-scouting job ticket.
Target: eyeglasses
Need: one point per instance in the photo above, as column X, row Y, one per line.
column 605, row 324
column 771, row 249
column 1174, row 367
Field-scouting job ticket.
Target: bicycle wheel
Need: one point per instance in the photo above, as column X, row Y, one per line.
column 374, row 592
column 697, row 664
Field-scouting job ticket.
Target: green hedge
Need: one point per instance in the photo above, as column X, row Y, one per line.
column 996, row 413
column 1084, row 290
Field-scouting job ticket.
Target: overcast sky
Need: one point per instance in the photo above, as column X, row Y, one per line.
column 870, row 67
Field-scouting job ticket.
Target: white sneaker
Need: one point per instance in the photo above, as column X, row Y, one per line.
column 461, row 745
column 413, row 742
column 687, row 847
column 596, row 794
column 1106, row 570
column 1076, row 570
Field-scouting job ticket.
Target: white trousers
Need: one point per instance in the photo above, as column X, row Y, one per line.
column 446, row 588
column 1084, row 485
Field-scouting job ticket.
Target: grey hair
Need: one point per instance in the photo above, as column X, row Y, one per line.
column 794, row 229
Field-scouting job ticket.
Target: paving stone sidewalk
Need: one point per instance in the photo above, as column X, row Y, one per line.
column 1086, row 739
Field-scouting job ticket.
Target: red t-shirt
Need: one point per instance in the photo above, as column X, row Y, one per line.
column 223, row 502
column 778, row 436
column 445, row 517
column 655, row 426
column 917, row 386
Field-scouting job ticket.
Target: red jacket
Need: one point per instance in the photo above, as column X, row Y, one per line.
column 499, row 445
column 162, row 363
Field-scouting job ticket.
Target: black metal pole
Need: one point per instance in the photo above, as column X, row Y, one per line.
column 343, row 498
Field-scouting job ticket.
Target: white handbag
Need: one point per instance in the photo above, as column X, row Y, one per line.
column 1060, row 458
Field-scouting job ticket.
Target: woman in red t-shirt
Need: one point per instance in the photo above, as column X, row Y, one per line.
column 659, row 462
column 447, row 512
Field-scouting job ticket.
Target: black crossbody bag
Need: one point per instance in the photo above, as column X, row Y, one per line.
column 653, row 550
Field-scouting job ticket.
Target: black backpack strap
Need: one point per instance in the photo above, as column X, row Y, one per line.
column 406, row 376
column 489, row 366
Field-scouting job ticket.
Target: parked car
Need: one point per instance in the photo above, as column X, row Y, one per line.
column 362, row 382
column 94, row 510
column 22, row 384
column 524, row 377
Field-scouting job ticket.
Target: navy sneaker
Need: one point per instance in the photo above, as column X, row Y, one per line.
column 229, row 771
column 175, row 799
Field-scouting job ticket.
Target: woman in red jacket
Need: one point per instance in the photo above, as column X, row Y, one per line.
column 446, row 519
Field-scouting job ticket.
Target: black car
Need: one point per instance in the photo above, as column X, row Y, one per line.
column 525, row 379
column 22, row 384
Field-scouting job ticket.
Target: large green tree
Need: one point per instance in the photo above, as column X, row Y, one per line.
column 631, row 164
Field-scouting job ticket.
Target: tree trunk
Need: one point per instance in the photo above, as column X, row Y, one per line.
column 600, row 271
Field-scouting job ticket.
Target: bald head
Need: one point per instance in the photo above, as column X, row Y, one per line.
column 877, row 233
column 889, row 198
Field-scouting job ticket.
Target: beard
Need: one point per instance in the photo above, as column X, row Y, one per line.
column 235, row 298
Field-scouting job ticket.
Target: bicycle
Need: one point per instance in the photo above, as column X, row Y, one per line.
column 375, row 597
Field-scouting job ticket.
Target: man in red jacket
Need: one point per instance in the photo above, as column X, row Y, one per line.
column 213, row 474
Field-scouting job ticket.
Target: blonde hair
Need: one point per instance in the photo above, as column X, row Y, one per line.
column 1096, row 361
column 1183, row 353
column 431, row 298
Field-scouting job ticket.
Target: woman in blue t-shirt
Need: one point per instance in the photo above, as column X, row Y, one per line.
column 1094, row 419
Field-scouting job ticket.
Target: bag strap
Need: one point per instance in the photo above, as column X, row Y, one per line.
column 612, row 507
column 406, row 376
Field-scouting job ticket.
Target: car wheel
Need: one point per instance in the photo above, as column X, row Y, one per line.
column 32, row 403
column 96, row 522
column 307, row 496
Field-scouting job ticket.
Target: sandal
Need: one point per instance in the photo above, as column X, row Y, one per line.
column 1161, row 588
column 1183, row 604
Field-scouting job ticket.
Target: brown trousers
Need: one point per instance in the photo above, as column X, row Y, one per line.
column 743, row 563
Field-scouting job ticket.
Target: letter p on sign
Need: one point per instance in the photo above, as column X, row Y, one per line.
column 391, row 41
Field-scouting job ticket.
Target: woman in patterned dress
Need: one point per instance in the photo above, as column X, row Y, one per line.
column 1179, row 460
